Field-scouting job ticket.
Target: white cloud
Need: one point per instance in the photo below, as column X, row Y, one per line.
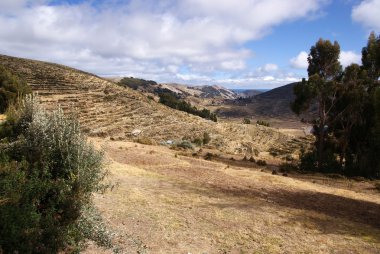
column 349, row 57
column 270, row 67
column 368, row 14
column 346, row 58
column 153, row 39
column 268, row 78
column 300, row 61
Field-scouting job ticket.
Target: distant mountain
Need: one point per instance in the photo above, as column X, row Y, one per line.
column 245, row 93
column 216, row 92
column 274, row 103
column 283, row 93
column 184, row 91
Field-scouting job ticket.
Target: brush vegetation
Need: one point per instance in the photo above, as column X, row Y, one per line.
column 48, row 174
column 12, row 88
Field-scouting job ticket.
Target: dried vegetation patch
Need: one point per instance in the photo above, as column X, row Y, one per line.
column 168, row 203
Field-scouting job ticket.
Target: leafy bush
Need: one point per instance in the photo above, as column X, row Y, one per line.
column 208, row 156
column 261, row 162
column 185, row 145
column 197, row 141
column 287, row 167
column 246, row 121
column 263, row 123
column 330, row 164
column 206, row 138
column 12, row 88
column 48, row 173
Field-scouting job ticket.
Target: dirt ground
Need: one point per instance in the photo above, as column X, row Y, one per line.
column 168, row 203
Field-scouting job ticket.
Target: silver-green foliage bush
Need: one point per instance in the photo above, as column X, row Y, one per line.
column 48, row 174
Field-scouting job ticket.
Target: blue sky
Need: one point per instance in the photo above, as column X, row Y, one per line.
column 234, row 43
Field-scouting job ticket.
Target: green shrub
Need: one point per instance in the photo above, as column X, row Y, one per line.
column 48, row 174
column 263, row 123
column 198, row 141
column 185, row 145
column 206, row 138
column 330, row 164
column 246, row 121
column 208, row 156
column 261, row 162
column 287, row 167
column 12, row 88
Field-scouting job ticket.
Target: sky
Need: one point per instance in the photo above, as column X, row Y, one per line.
column 245, row 44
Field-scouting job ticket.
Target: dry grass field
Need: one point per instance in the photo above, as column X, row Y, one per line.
column 165, row 202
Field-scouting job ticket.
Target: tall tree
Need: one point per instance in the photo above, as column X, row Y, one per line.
column 322, row 87
column 371, row 56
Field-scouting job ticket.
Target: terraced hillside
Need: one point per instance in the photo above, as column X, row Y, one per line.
column 107, row 110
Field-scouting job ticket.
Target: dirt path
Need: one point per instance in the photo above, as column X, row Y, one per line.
column 167, row 203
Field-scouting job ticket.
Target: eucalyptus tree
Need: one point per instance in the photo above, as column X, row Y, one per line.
column 322, row 88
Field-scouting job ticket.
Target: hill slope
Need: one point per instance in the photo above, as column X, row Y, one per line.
column 271, row 104
column 108, row 110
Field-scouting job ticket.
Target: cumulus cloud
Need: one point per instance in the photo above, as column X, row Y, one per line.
column 349, row 57
column 346, row 58
column 152, row 38
column 300, row 61
column 368, row 14
column 269, row 68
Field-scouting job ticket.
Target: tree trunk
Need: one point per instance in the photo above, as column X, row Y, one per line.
column 321, row 134
column 321, row 141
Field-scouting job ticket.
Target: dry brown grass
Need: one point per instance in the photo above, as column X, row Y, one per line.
column 178, row 204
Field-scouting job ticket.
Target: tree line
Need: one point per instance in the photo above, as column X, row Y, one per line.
column 169, row 99
column 347, row 126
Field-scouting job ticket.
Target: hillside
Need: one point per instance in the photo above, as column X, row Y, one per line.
column 280, row 93
column 246, row 93
column 273, row 104
column 108, row 110
column 184, row 91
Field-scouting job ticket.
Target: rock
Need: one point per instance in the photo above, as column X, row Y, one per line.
column 274, row 172
column 136, row 132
